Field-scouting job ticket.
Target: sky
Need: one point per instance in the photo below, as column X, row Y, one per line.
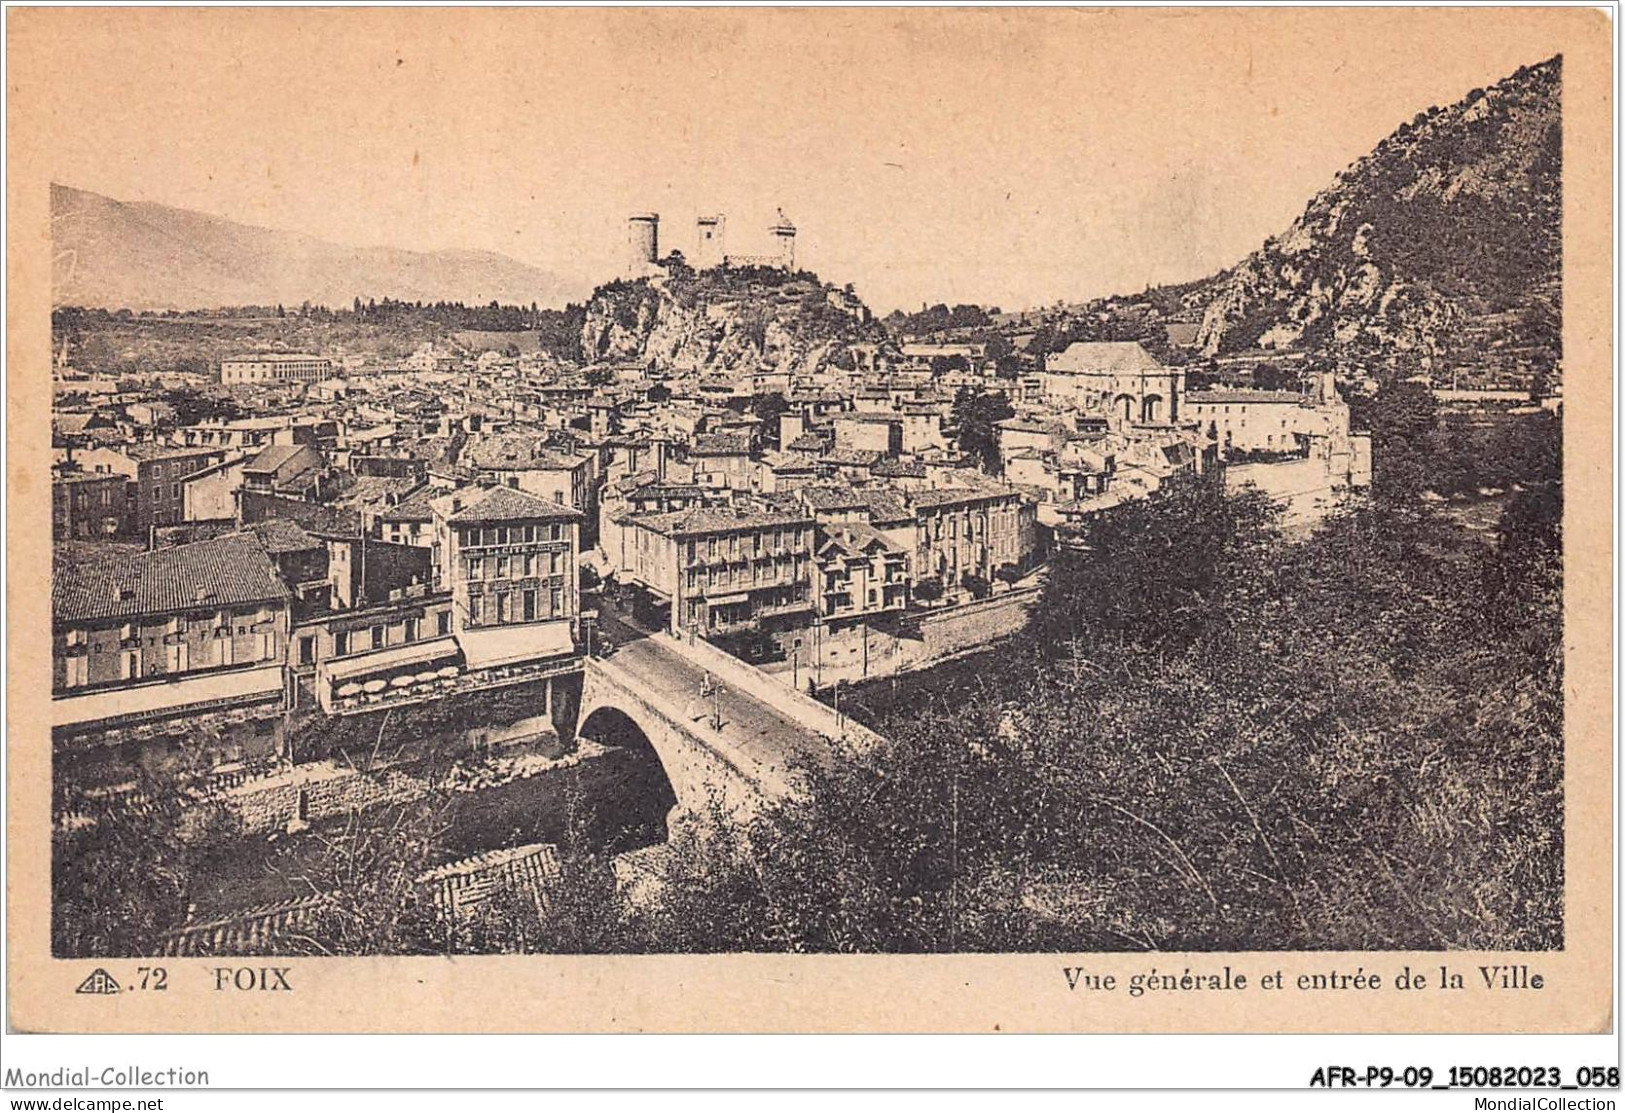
column 1007, row 157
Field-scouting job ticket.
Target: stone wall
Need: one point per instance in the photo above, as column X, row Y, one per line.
column 311, row 792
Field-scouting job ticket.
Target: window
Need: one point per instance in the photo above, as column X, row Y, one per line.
column 557, row 602
column 476, row 568
column 529, row 598
column 341, row 642
column 307, row 650
column 127, row 632
column 379, row 636
column 413, row 629
column 530, row 564
column 555, row 563
column 474, row 611
column 78, row 672
column 443, row 623
column 76, row 637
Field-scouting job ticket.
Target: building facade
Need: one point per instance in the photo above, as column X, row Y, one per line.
column 158, row 471
column 86, row 506
column 725, row 570
column 266, row 367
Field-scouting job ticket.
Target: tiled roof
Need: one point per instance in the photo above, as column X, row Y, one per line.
column 273, row 457
column 857, row 537
column 831, row 498
column 279, row 535
column 151, row 450
column 259, row 506
column 949, row 496
column 1242, row 397
column 505, row 504
column 1107, row 357
column 414, row 508
column 854, row 457
column 887, row 507
column 227, row 571
column 514, row 453
column 720, row 444
column 702, row 519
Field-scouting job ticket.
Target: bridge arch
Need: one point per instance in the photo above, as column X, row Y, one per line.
column 645, row 797
column 701, row 776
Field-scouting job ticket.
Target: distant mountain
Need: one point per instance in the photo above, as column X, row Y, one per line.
column 1441, row 249
column 116, row 255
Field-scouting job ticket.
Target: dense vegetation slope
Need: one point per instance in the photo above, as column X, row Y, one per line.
column 1440, row 249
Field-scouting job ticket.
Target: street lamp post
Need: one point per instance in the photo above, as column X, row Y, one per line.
column 818, row 647
column 795, row 667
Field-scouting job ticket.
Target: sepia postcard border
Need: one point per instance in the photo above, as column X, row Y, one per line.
column 826, row 993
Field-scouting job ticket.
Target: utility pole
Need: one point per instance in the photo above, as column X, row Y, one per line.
column 795, row 667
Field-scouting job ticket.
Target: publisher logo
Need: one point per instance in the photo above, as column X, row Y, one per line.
column 100, row 981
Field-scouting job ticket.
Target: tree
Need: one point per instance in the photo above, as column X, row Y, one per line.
column 928, row 590
column 590, row 579
column 1404, row 428
column 977, row 416
column 123, row 867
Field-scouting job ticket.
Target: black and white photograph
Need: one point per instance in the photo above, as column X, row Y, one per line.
column 838, row 483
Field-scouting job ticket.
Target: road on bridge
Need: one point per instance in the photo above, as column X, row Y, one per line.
column 754, row 728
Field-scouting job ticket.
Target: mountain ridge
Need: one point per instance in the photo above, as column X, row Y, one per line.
column 142, row 255
column 1442, row 246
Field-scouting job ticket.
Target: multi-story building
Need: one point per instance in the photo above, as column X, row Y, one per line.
column 722, row 460
column 725, row 571
column 960, row 532
column 869, row 432
column 861, row 572
column 525, row 463
column 210, row 494
column 1120, row 379
column 265, row 367
column 158, row 471
column 91, row 506
column 509, row 559
column 1269, row 420
column 410, row 521
column 178, row 630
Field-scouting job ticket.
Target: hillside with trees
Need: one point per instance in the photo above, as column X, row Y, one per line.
column 128, row 343
column 1440, row 250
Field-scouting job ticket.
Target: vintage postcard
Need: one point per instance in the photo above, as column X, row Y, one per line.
column 809, row 520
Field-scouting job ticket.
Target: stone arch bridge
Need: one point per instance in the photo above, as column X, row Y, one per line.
column 724, row 732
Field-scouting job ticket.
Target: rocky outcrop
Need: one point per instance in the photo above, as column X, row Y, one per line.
column 725, row 320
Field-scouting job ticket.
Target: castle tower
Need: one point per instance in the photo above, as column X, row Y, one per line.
column 643, row 240
column 708, row 246
column 784, row 235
